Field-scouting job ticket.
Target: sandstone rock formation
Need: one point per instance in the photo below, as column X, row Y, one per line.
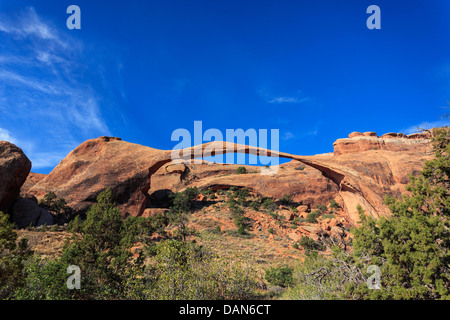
column 304, row 183
column 14, row 169
column 101, row 163
column 391, row 141
column 30, row 182
column 355, row 174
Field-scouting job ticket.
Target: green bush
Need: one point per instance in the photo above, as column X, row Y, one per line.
column 255, row 205
column 57, row 205
column 310, row 245
column 241, row 170
column 321, row 208
column 334, row 204
column 269, row 204
column 45, row 280
column 286, row 200
column 280, row 276
column 186, row 271
column 412, row 247
column 103, row 251
column 13, row 254
column 312, row 217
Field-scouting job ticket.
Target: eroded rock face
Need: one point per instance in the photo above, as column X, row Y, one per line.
column 30, row 182
column 397, row 142
column 14, row 169
column 362, row 170
column 304, row 183
column 101, row 163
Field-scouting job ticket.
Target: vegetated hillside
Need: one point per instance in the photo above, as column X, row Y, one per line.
column 362, row 170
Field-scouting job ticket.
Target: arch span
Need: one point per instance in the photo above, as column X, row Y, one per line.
column 352, row 189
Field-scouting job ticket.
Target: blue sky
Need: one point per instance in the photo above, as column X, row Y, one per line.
column 141, row 69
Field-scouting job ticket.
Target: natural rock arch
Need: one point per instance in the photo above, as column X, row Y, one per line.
column 353, row 189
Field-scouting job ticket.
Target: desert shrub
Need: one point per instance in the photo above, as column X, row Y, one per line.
column 186, row 271
column 255, row 205
column 57, row 205
column 45, row 279
column 312, row 217
column 319, row 278
column 269, row 204
column 286, row 200
column 178, row 215
column 280, row 276
column 76, row 225
column 242, row 223
column 334, row 204
column 310, row 245
column 321, row 208
column 411, row 247
column 13, row 254
column 102, row 252
column 241, row 170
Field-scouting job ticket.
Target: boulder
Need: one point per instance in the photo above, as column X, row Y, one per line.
column 179, row 168
column 389, row 135
column 14, row 169
column 302, row 208
column 355, row 134
column 287, row 215
column 26, row 212
column 370, row 134
column 421, row 135
column 295, row 236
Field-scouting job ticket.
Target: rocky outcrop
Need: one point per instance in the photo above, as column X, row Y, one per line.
column 362, row 170
column 398, row 142
column 30, row 182
column 14, row 169
column 101, row 163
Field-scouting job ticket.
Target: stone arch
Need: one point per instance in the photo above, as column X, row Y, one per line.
column 352, row 190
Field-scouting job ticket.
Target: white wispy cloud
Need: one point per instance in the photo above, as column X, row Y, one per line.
column 28, row 24
column 425, row 125
column 287, row 100
column 5, row 135
column 297, row 98
column 287, row 136
column 46, row 106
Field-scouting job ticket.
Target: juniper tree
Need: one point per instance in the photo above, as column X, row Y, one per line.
column 412, row 246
